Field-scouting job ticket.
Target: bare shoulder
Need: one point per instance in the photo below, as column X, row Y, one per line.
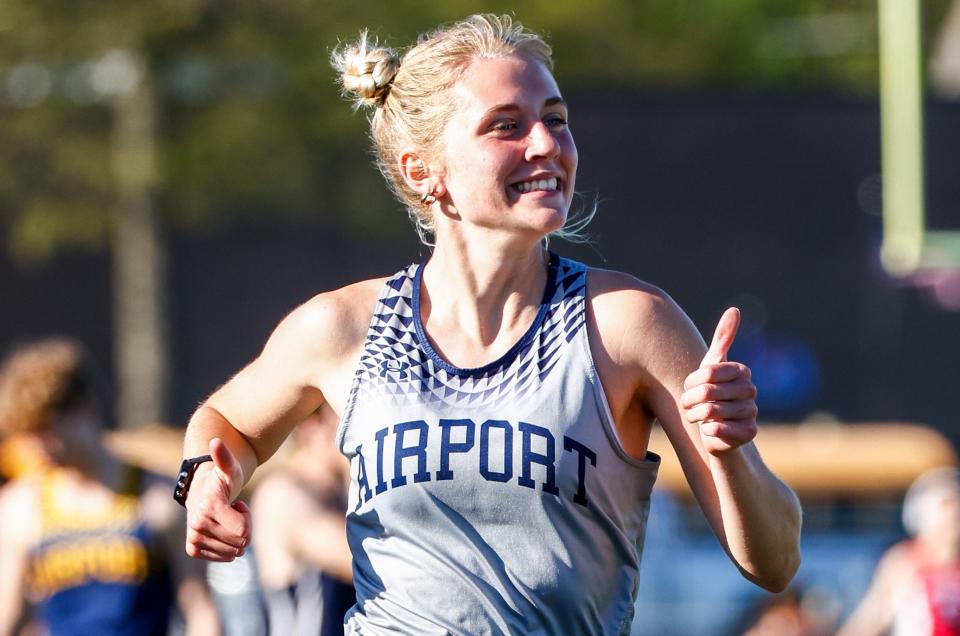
column 17, row 495
column 638, row 321
column 316, row 343
column 307, row 360
column 622, row 296
column 19, row 511
column 335, row 320
column 898, row 560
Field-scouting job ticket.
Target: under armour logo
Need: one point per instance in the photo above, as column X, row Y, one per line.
column 395, row 368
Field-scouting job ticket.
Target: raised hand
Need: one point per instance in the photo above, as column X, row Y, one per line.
column 719, row 396
column 218, row 529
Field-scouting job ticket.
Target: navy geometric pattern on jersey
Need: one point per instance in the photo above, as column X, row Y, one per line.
column 495, row 500
column 399, row 363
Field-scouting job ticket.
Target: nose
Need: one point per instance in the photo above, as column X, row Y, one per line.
column 541, row 142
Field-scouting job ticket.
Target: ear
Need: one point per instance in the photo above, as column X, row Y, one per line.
column 419, row 176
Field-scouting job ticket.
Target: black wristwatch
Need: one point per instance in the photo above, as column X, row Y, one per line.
column 187, row 469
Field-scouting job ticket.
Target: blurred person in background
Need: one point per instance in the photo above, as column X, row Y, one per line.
column 92, row 545
column 300, row 535
column 496, row 402
column 916, row 587
column 20, row 453
column 798, row 611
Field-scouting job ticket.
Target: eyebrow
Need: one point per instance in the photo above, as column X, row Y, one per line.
column 552, row 101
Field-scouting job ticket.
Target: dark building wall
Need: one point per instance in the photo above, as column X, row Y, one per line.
column 771, row 204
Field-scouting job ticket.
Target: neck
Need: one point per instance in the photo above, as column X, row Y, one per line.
column 481, row 297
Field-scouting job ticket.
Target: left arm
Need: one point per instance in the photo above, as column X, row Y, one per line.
column 18, row 517
column 761, row 515
column 706, row 406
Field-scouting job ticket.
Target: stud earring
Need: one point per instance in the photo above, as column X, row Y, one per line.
column 428, row 199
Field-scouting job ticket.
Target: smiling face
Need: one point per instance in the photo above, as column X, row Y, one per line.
column 509, row 160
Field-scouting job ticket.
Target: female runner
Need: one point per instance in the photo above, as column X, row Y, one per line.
column 496, row 401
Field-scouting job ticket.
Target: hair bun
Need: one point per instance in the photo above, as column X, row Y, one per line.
column 366, row 71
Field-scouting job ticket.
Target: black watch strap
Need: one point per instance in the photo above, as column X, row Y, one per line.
column 187, row 468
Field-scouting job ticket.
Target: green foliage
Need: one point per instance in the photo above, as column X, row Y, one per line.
column 250, row 120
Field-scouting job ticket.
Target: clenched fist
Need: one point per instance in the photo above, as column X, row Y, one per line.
column 218, row 529
column 719, row 395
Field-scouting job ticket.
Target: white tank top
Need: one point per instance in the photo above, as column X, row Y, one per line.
column 495, row 500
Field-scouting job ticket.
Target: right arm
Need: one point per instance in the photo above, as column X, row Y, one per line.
column 17, row 506
column 306, row 362
column 292, row 527
column 655, row 365
column 874, row 614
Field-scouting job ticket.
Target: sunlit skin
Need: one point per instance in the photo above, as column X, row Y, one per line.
column 511, row 125
column 481, row 290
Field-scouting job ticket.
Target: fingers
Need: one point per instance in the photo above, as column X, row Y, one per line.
column 738, row 389
column 210, row 555
column 727, row 434
column 713, row 411
column 718, row 373
column 216, row 529
column 218, row 537
column 211, row 549
column 220, row 521
column 723, row 337
column 719, row 397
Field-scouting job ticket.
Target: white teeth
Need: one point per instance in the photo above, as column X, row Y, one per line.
column 537, row 184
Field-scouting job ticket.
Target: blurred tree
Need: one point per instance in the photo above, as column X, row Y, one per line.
column 83, row 169
column 121, row 120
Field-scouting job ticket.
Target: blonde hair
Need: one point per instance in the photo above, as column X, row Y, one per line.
column 406, row 93
column 38, row 382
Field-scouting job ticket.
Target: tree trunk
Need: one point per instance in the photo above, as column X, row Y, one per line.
column 138, row 284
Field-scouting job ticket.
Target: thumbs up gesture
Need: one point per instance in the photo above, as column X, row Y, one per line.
column 719, row 396
column 218, row 529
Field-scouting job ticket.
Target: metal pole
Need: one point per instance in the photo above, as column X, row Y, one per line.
column 901, row 124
